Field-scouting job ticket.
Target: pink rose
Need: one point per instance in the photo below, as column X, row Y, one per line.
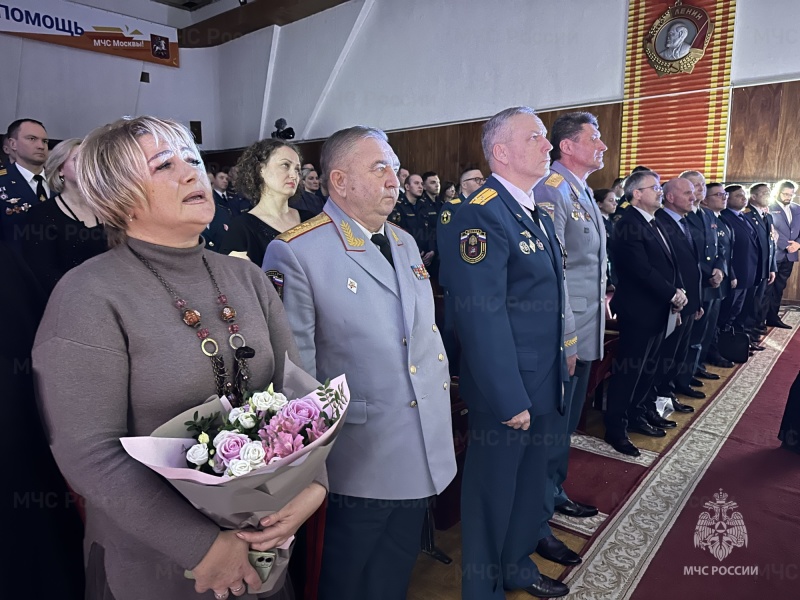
column 230, row 447
column 300, row 413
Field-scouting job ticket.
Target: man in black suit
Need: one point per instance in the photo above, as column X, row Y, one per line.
column 713, row 204
column 713, row 270
column 746, row 257
column 755, row 304
column 678, row 200
column 23, row 183
column 648, row 292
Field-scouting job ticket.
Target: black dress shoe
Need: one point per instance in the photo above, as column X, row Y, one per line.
column 657, row 421
column 547, row 588
column 691, row 393
column 695, row 382
column 571, row 508
column 682, row 408
column 703, row 374
column 623, row 446
column 643, row 427
column 756, row 347
column 554, row 549
column 720, row 362
column 778, row 323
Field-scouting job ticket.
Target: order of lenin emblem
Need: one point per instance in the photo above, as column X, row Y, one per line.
column 473, row 245
column 677, row 40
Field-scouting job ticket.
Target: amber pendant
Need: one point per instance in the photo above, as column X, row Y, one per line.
column 191, row 317
column 228, row 314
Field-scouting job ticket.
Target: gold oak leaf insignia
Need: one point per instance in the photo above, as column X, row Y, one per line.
column 352, row 240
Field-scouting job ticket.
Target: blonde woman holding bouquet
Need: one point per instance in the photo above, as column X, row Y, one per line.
column 135, row 336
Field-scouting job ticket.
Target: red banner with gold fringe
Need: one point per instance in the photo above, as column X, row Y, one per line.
column 677, row 86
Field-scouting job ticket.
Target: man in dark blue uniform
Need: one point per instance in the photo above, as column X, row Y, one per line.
column 505, row 271
column 471, row 179
column 417, row 217
column 755, row 306
column 713, row 204
column 23, row 184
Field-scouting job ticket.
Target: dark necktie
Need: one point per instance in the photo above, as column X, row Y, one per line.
column 685, row 225
column 40, row 191
column 535, row 216
column 382, row 243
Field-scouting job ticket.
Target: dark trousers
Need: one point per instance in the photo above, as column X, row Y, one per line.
column 710, row 334
column 673, row 365
column 632, row 375
column 503, row 504
column 749, row 317
column 574, row 397
column 695, row 348
column 760, row 305
column 776, row 289
column 731, row 307
column 370, row 547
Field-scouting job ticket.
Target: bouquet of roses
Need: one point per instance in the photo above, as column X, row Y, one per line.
column 239, row 465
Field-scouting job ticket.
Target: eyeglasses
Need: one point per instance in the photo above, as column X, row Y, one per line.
column 720, row 194
column 477, row 180
column 655, row 187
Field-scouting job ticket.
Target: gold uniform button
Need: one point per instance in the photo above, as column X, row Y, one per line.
column 413, row 369
column 441, row 357
column 445, row 385
column 413, row 404
column 435, row 328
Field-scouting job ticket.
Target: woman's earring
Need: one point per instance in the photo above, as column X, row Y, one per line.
column 61, row 178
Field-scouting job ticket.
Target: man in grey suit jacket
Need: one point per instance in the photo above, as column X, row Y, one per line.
column 786, row 216
column 578, row 152
column 359, row 302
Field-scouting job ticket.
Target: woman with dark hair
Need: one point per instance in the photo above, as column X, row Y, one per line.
column 64, row 232
column 269, row 173
column 447, row 193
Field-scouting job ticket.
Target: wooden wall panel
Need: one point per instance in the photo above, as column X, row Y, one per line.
column 754, row 125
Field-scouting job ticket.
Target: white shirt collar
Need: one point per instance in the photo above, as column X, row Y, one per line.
column 525, row 199
column 648, row 217
column 369, row 233
column 672, row 214
column 28, row 175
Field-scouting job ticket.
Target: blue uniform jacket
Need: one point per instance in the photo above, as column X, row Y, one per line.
column 507, row 280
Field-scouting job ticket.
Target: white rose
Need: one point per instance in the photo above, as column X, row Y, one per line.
column 197, row 454
column 221, row 436
column 247, row 420
column 279, row 401
column 237, row 468
column 261, row 401
column 234, row 414
column 253, row 452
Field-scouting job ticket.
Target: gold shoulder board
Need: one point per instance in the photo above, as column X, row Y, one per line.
column 554, row 180
column 298, row 230
column 454, row 201
column 3, row 172
column 484, row 196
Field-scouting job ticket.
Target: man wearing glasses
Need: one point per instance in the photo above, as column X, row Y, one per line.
column 786, row 216
column 649, row 290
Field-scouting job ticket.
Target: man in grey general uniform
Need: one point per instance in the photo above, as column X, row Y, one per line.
column 359, row 302
column 577, row 152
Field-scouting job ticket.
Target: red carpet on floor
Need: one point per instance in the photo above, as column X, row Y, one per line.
column 764, row 481
column 601, row 481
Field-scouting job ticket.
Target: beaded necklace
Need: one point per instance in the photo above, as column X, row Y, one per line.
column 236, row 387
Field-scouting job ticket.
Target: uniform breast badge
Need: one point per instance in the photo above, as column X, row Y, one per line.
column 446, row 216
column 539, row 244
column 473, row 245
column 352, row 285
column 420, row 272
column 523, row 245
